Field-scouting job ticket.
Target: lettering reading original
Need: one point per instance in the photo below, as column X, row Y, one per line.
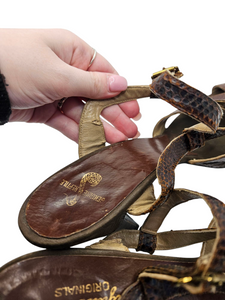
column 86, row 290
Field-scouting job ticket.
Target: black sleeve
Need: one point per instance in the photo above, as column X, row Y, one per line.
column 5, row 107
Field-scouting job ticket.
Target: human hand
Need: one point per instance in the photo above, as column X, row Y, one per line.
column 43, row 66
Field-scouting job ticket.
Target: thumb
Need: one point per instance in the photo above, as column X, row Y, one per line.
column 93, row 85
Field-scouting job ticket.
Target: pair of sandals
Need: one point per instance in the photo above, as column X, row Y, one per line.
column 91, row 197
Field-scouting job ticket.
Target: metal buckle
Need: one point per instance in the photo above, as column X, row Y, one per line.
column 174, row 70
column 215, row 280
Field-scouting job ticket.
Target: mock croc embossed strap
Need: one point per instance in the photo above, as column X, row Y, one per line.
column 165, row 86
column 192, row 139
column 187, row 99
column 212, row 155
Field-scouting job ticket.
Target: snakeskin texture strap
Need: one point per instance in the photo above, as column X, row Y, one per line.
column 212, row 155
column 187, row 99
column 165, row 86
column 174, row 152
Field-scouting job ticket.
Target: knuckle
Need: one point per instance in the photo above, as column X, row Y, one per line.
column 97, row 85
column 62, row 84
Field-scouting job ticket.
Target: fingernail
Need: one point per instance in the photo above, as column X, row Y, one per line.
column 117, row 83
column 137, row 135
column 137, row 117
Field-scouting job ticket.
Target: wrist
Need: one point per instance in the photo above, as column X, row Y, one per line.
column 5, row 106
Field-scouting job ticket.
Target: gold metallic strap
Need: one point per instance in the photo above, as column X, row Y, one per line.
column 160, row 127
column 144, row 202
column 91, row 131
column 164, row 240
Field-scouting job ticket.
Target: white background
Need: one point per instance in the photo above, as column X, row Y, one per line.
column 138, row 38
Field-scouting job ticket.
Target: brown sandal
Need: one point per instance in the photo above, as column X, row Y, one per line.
column 89, row 198
column 114, row 274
